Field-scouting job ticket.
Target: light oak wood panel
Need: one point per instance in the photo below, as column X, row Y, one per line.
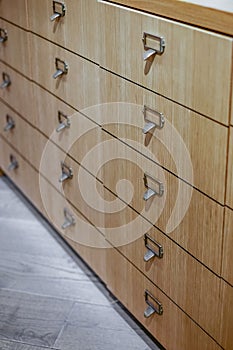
column 15, row 50
column 227, row 316
column 81, row 134
column 173, row 329
column 227, row 269
column 187, row 282
column 215, row 15
column 184, row 133
column 172, row 74
column 229, row 195
column 25, row 177
column 77, row 30
column 83, row 190
column 19, row 94
column 84, row 238
column 15, row 11
column 79, row 87
column 190, row 218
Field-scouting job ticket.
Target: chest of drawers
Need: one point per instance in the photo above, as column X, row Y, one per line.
column 117, row 124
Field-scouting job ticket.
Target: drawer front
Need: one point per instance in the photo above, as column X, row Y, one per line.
column 70, row 130
column 78, row 86
column 21, row 173
column 15, row 49
column 75, row 27
column 129, row 286
column 15, row 11
column 174, row 72
column 227, row 269
column 86, row 240
column 166, row 264
column 17, row 91
column 229, row 196
column 227, row 316
column 172, row 133
column 190, row 218
column 76, row 184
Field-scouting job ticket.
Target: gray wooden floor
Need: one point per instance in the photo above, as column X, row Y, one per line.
column 48, row 297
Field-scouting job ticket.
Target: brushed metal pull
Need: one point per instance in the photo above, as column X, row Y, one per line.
column 150, row 116
column 10, row 124
column 3, row 35
column 154, row 187
column 69, row 219
column 154, row 249
column 13, row 163
column 64, row 121
column 67, row 172
column 61, row 68
column 156, row 46
column 6, row 81
column 59, row 10
column 154, row 305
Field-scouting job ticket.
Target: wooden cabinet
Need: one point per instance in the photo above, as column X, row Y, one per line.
column 117, row 125
column 173, row 71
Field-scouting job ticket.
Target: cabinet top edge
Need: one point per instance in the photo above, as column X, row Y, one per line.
column 215, row 15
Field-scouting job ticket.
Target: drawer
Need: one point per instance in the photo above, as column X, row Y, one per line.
column 173, row 134
column 64, row 125
column 131, row 288
column 229, row 195
column 76, row 184
column 227, row 268
column 190, row 218
column 78, row 86
column 166, row 264
column 76, row 26
column 227, row 316
column 17, row 91
column 21, row 173
column 84, row 238
column 16, row 41
column 15, row 11
column 16, row 131
column 173, row 72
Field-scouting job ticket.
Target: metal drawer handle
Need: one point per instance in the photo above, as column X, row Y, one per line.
column 59, row 10
column 64, row 121
column 149, row 124
column 151, row 52
column 154, row 305
column 69, row 219
column 13, row 163
column 3, row 35
column 61, row 68
column 10, row 124
column 155, row 189
column 6, row 81
column 67, row 172
column 151, row 246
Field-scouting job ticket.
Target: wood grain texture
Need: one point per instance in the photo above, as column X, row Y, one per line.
column 129, row 285
column 226, row 316
column 227, row 268
column 198, row 230
column 122, row 105
column 15, row 11
column 172, row 74
column 214, row 15
column 73, row 87
column 76, row 31
column 19, row 94
column 18, row 41
column 229, row 193
column 180, row 276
